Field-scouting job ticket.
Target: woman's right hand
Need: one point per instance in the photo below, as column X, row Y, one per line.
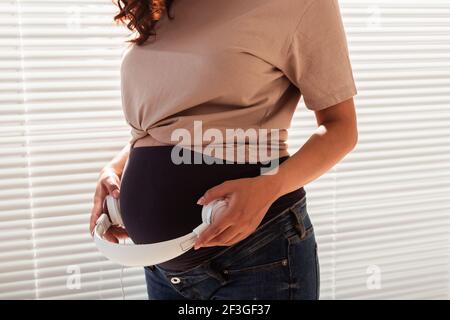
column 108, row 183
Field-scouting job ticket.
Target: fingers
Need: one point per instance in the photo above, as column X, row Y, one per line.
column 228, row 237
column 108, row 185
column 238, row 237
column 218, row 191
column 112, row 186
column 114, row 234
column 118, row 232
column 110, row 237
column 225, row 231
column 97, row 208
column 210, row 232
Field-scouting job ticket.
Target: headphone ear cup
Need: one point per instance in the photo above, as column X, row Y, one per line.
column 212, row 209
column 218, row 207
column 113, row 205
column 206, row 213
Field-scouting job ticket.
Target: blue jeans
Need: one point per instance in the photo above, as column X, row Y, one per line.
column 278, row 261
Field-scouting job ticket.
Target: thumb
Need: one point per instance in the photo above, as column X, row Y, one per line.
column 218, row 191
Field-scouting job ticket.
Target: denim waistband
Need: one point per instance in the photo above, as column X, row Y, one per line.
column 293, row 218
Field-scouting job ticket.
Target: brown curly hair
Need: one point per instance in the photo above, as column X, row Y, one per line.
column 141, row 16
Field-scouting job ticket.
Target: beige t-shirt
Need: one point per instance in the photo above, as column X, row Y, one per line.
column 234, row 65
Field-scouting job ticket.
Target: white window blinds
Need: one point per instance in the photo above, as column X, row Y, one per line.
column 382, row 215
column 61, row 121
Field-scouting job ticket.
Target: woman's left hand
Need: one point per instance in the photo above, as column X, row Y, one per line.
column 248, row 201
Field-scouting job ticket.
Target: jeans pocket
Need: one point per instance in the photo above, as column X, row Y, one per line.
column 256, row 267
column 267, row 280
column 303, row 267
column 267, row 251
column 253, row 249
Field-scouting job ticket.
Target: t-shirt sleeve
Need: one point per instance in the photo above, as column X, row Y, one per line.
column 317, row 57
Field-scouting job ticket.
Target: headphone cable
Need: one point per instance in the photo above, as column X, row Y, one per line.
column 121, row 278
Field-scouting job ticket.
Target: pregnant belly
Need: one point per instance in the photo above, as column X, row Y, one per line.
column 158, row 197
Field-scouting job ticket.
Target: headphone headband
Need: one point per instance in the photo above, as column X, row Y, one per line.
column 148, row 254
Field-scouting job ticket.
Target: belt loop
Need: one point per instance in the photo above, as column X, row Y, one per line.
column 298, row 224
column 151, row 268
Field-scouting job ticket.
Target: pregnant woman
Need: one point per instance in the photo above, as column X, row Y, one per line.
column 209, row 89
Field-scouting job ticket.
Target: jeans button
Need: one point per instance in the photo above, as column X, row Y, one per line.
column 175, row 280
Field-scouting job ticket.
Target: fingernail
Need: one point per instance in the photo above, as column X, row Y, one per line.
column 201, row 200
column 115, row 193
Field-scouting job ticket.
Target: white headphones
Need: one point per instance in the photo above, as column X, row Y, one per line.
column 148, row 254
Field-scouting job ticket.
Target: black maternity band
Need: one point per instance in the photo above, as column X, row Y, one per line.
column 158, row 198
